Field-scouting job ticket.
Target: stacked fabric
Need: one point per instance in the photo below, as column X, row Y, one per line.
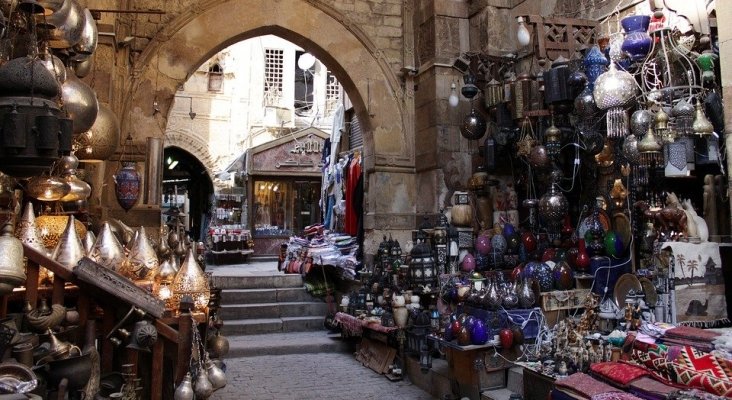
column 685, row 366
column 702, row 339
column 580, row 386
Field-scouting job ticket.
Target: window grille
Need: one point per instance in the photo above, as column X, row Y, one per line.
column 273, row 72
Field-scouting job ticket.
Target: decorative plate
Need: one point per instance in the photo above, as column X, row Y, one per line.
column 16, row 378
column 623, row 286
column 649, row 290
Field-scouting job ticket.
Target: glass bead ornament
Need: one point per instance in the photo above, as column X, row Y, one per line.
column 614, row 90
column 190, row 281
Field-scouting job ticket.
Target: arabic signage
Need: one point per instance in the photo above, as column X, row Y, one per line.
column 301, row 154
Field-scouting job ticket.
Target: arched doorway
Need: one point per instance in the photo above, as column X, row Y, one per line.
column 187, row 186
column 369, row 77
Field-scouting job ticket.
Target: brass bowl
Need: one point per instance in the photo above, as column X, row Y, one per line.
column 16, row 378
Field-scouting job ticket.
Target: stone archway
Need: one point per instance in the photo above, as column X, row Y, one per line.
column 379, row 99
column 191, row 143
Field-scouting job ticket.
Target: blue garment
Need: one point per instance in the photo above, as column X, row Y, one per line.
column 329, row 212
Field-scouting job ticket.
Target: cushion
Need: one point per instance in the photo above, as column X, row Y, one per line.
column 651, row 389
column 615, row 396
column 583, row 386
column 617, row 373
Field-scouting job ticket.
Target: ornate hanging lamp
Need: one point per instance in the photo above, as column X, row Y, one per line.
column 101, row 140
column 127, row 179
column 614, row 90
column 69, row 249
column 668, row 74
column 474, row 125
column 191, row 281
column 107, row 251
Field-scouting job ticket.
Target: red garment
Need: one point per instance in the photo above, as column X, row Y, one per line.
column 354, row 172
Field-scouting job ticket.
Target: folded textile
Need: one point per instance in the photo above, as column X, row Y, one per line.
column 703, row 346
column 614, row 396
column 651, row 389
column 559, row 394
column 583, row 385
column 617, row 373
column 691, row 333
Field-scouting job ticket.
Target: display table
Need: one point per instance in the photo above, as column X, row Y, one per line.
column 536, row 384
column 229, row 245
column 467, row 369
column 352, row 326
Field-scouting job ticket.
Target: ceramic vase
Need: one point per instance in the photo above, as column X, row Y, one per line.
column 582, row 261
column 525, row 294
column 479, row 332
column 506, row 338
column 563, row 276
column 543, row 276
column 127, row 185
column 637, row 41
column 401, row 315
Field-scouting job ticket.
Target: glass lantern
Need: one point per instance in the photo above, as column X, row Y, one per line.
column 422, row 269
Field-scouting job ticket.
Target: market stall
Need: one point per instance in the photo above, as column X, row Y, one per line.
column 283, row 188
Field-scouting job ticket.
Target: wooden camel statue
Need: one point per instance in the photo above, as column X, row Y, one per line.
column 671, row 221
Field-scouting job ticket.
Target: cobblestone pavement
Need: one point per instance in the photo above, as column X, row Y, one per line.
column 322, row 376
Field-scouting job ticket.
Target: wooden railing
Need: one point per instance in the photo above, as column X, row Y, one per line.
column 96, row 300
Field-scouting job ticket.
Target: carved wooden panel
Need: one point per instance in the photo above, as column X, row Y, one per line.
column 553, row 37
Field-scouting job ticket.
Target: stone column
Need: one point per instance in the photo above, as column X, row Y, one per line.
column 724, row 14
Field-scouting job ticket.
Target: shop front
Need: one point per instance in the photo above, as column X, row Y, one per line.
column 284, row 181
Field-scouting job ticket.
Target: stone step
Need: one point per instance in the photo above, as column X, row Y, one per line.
column 287, row 343
column 273, row 310
column 496, row 394
column 250, row 296
column 258, row 281
column 270, row 325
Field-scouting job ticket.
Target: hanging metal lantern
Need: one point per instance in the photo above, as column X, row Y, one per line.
column 127, row 185
column 101, row 140
column 553, row 139
column 80, row 102
column 649, row 149
column 557, row 91
column 553, row 205
column 525, row 95
column 667, row 73
column 34, row 134
column 595, row 64
column 640, row 121
column 701, row 125
column 683, row 117
column 630, row 149
column 493, row 93
column 613, row 91
column 422, row 268
column 474, row 126
column 47, row 188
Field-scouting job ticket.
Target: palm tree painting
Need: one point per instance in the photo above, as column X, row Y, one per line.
column 693, row 265
column 682, row 261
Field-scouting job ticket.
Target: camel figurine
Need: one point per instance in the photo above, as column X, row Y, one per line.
column 671, row 220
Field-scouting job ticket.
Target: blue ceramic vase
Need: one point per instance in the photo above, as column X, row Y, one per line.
column 637, row 41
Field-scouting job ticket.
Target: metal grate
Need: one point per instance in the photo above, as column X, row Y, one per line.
column 333, row 92
column 355, row 134
column 274, row 60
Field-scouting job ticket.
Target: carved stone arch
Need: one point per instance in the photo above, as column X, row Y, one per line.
column 369, row 77
column 188, row 141
column 363, row 69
